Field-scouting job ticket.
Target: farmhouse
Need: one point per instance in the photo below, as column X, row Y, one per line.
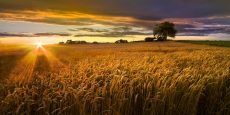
column 121, row 41
column 149, row 39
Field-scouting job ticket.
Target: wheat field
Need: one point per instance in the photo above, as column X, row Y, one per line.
column 161, row 78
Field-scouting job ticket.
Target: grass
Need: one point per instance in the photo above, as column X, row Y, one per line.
column 213, row 43
column 139, row 78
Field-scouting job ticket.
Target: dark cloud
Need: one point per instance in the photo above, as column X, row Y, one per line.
column 5, row 34
column 216, row 20
column 100, row 35
column 203, row 30
column 62, row 21
column 145, row 13
column 52, row 34
column 142, row 9
column 191, row 34
column 122, row 29
column 114, row 32
column 89, row 30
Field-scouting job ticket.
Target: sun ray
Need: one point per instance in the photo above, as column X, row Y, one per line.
column 23, row 71
column 53, row 61
column 25, row 68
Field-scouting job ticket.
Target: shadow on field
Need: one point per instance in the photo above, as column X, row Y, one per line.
column 42, row 64
column 9, row 60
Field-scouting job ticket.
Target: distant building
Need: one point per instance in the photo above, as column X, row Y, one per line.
column 162, row 38
column 121, row 41
column 150, row 39
column 61, row 42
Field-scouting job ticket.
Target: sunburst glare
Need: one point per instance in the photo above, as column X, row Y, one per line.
column 39, row 44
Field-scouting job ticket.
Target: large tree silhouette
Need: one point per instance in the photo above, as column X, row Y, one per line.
column 163, row 30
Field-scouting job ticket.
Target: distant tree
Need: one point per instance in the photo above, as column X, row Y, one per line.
column 69, row 42
column 81, row 42
column 95, row 42
column 164, row 30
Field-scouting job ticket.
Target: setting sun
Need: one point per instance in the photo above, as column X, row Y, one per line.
column 39, row 44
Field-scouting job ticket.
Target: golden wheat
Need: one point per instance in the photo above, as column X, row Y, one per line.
column 138, row 78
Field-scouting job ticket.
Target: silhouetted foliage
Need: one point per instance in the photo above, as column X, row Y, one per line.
column 75, row 42
column 164, row 30
column 69, row 42
column 95, row 42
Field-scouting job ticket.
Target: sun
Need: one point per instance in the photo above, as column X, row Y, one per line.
column 39, row 44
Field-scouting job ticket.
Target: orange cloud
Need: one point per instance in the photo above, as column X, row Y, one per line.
column 64, row 18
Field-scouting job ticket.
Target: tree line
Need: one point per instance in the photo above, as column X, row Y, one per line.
column 160, row 33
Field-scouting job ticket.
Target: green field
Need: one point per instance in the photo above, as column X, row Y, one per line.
column 159, row 78
column 213, row 43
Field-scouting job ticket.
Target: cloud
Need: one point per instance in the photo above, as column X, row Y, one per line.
column 89, row 30
column 207, row 29
column 112, row 32
column 5, row 34
column 140, row 9
column 99, row 35
column 64, row 18
column 191, row 17
column 51, row 17
column 52, row 34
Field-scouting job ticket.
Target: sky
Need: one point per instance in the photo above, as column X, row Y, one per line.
column 29, row 21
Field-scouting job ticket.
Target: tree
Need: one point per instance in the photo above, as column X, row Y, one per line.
column 164, row 30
